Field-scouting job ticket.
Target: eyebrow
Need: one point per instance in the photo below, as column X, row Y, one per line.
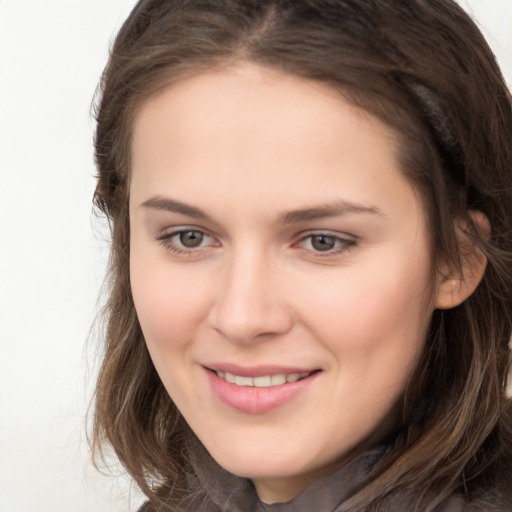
column 171, row 205
column 333, row 209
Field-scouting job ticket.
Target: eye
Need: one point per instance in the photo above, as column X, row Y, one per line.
column 326, row 243
column 186, row 241
column 322, row 242
column 190, row 239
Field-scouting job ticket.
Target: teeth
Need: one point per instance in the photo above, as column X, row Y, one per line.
column 265, row 381
column 262, row 382
column 277, row 380
column 244, row 381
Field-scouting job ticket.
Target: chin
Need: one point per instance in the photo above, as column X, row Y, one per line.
column 255, row 462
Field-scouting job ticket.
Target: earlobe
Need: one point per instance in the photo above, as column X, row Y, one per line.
column 456, row 284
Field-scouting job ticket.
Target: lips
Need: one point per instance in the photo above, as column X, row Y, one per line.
column 258, row 390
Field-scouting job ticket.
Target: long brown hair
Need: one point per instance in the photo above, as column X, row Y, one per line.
column 423, row 68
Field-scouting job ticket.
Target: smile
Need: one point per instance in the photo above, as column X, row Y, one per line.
column 264, row 381
column 259, row 390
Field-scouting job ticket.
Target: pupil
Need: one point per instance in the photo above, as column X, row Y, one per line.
column 323, row 242
column 191, row 238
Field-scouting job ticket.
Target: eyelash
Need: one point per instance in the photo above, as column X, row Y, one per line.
column 342, row 243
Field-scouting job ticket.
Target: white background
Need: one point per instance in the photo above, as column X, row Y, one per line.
column 53, row 250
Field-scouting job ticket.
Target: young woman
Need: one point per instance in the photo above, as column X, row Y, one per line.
column 310, row 303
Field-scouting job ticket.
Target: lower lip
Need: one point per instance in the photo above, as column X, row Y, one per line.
column 254, row 400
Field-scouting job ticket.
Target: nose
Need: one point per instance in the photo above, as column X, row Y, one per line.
column 249, row 304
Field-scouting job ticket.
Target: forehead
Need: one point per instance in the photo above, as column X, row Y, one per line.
column 260, row 134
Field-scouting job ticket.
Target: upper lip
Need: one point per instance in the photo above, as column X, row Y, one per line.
column 256, row 371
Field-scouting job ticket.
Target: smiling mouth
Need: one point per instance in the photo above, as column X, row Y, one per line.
column 264, row 381
column 258, row 389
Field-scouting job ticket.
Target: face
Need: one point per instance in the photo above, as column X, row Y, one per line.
column 280, row 270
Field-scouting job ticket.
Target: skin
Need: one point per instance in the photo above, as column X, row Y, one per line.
column 246, row 146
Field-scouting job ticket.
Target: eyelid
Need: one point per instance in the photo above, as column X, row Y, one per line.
column 174, row 230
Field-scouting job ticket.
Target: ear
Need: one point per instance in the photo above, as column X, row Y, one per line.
column 455, row 285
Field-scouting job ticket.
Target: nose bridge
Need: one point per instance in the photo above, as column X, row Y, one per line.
column 247, row 303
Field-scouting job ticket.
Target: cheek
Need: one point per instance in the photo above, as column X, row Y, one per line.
column 375, row 317
column 170, row 302
column 374, row 326
column 170, row 305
